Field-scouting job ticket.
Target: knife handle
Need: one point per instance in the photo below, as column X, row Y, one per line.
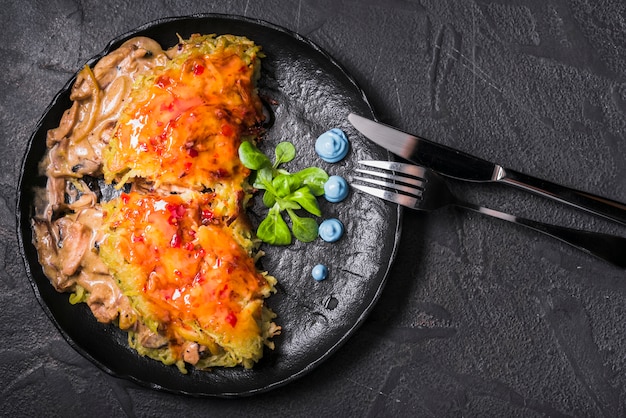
column 589, row 202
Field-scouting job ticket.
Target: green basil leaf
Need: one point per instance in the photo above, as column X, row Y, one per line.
column 284, row 152
column 273, row 229
column 304, row 229
column 287, row 203
column 269, row 199
column 251, row 157
column 263, row 179
column 284, row 192
column 314, row 177
column 305, row 198
column 285, row 184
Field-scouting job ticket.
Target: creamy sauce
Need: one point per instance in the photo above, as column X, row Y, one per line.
column 336, row 189
column 319, row 272
column 332, row 146
column 331, row 230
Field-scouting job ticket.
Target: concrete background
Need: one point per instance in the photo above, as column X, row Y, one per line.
column 478, row 318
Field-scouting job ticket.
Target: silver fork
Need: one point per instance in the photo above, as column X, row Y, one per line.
column 419, row 188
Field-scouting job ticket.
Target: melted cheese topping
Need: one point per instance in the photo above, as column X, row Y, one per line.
column 183, row 127
column 172, row 261
column 184, row 272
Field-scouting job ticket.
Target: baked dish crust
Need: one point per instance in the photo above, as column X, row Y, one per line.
column 143, row 217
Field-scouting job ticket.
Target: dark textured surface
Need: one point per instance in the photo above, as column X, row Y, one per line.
column 306, row 93
column 478, row 318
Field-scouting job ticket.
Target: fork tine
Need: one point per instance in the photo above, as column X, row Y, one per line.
column 410, row 169
column 394, row 186
column 407, row 180
column 406, row 185
column 400, row 199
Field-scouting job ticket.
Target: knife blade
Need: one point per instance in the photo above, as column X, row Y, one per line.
column 463, row 166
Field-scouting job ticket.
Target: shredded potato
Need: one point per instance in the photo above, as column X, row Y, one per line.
column 169, row 256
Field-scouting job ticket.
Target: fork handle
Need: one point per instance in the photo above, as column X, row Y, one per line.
column 611, row 248
column 598, row 205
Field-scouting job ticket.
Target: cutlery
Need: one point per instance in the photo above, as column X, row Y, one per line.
column 457, row 164
column 419, row 188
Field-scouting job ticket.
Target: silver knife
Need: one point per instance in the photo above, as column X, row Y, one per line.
column 463, row 166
